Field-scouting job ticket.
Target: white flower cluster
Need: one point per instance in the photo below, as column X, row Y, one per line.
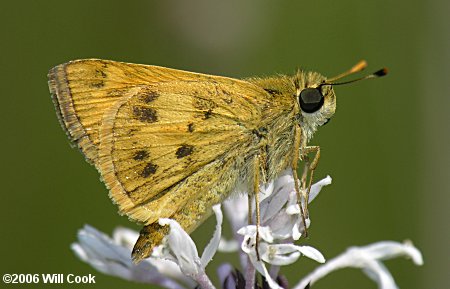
column 281, row 225
column 176, row 264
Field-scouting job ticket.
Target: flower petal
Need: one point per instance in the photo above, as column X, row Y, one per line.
column 296, row 234
column 281, row 259
column 368, row 259
column 272, row 205
column 125, row 237
column 317, row 187
column 380, row 274
column 236, row 210
column 311, row 253
column 265, row 232
column 211, row 249
column 183, row 247
column 389, row 249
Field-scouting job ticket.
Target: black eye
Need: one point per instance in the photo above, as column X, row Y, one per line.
column 311, row 100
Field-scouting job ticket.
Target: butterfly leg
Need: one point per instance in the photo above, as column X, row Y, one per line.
column 299, row 189
column 256, row 169
column 309, row 167
column 250, row 208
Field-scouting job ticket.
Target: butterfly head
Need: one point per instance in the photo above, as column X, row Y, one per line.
column 316, row 98
column 317, row 102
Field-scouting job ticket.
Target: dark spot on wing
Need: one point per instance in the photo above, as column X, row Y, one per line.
column 184, row 151
column 140, row 155
column 100, row 73
column 149, row 96
column 207, row 114
column 190, row 127
column 149, row 170
column 97, row 84
column 272, row 91
column 144, row 114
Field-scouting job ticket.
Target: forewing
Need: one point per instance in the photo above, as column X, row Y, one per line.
column 153, row 148
column 83, row 90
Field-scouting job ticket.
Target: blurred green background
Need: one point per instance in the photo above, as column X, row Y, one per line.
column 387, row 148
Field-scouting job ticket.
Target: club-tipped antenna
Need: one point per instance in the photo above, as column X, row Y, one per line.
column 376, row 74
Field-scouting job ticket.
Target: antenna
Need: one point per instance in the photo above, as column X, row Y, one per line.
column 358, row 67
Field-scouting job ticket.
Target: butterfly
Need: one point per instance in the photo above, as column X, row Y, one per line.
column 171, row 144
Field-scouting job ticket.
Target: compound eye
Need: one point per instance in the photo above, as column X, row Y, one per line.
column 311, row 100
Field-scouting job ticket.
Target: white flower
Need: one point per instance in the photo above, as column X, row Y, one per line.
column 275, row 254
column 281, row 220
column 368, row 259
column 170, row 265
column 278, row 209
column 113, row 257
column 183, row 252
column 176, row 264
